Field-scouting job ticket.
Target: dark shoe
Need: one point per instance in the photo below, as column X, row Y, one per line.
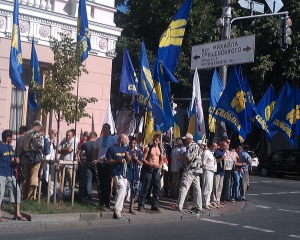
column 238, row 199
column 155, row 209
column 141, row 210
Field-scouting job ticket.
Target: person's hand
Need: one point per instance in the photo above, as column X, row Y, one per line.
column 122, row 160
column 17, row 160
column 95, row 162
column 134, row 155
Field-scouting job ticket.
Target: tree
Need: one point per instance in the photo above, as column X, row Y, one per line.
column 56, row 94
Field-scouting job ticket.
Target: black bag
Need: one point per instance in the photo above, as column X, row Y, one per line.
column 21, row 174
column 33, row 157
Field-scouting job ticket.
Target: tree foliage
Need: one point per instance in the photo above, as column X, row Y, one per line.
column 56, row 94
column 148, row 19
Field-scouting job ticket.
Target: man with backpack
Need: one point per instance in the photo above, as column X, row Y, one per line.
column 153, row 161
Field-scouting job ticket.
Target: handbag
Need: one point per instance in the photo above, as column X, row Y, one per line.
column 21, row 174
column 33, row 157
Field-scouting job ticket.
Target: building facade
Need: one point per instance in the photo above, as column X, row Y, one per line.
column 43, row 19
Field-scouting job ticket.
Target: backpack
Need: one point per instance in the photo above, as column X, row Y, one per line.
column 46, row 150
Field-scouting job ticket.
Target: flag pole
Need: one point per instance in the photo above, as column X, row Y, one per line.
column 17, row 179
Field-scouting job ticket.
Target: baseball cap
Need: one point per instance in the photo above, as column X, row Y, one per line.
column 188, row 135
column 37, row 122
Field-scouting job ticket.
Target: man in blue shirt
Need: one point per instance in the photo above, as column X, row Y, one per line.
column 134, row 158
column 7, row 179
column 245, row 159
column 117, row 159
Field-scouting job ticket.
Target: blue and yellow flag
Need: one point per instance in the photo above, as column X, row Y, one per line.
column 264, row 109
column 146, row 88
column 129, row 81
column 287, row 119
column 83, row 31
column 171, row 40
column 35, row 77
column 216, row 90
column 162, row 93
column 176, row 128
column 16, row 61
column 193, row 124
column 286, row 91
column 231, row 107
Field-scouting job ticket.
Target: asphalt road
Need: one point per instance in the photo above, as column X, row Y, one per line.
column 272, row 212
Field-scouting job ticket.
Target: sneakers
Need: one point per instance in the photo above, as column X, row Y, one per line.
column 118, row 214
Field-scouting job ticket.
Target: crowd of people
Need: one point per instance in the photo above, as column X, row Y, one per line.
column 127, row 170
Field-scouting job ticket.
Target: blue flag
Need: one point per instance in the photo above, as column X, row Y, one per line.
column 135, row 105
column 129, row 81
column 160, row 120
column 162, row 93
column 146, row 86
column 216, row 90
column 287, row 119
column 35, row 77
column 250, row 105
column 231, row 107
column 16, row 61
column 83, row 31
column 264, row 109
column 286, row 91
column 171, row 39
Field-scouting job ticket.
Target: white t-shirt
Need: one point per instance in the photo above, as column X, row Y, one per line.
column 103, row 144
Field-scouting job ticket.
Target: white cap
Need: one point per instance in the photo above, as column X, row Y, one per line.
column 188, row 135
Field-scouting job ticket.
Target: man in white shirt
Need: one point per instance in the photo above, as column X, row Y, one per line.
column 209, row 166
column 66, row 150
column 102, row 144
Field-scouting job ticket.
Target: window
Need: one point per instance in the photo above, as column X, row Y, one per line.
column 20, row 113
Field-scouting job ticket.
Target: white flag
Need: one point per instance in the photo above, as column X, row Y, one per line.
column 199, row 110
column 110, row 120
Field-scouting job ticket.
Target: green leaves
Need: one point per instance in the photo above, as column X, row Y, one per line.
column 62, row 75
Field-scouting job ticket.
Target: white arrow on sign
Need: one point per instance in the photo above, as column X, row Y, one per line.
column 274, row 5
column 256, row 6
column 222, row 53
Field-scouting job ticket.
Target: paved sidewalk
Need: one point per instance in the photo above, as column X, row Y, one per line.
column 50, row 221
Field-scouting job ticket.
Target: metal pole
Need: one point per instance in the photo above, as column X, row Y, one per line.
column 226, row 31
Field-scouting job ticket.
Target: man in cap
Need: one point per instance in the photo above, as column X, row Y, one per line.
column 191, row 160
column 33, row 141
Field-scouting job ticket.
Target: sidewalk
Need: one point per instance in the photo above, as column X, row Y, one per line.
column 51, row 221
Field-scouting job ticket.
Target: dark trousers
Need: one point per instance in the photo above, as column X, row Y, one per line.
column 104, row 175
column 226, row 191
column 167, row 182
column 151, row 177
column 88, row 173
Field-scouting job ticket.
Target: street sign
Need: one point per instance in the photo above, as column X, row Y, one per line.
column 274, row 5
column 255, row 6
column 222, row 53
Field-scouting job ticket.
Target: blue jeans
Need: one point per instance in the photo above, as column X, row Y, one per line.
column 151, row 177
column 236, row 185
